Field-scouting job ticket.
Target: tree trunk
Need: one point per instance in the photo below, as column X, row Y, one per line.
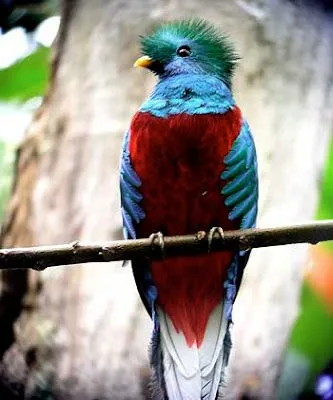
column 82, row 332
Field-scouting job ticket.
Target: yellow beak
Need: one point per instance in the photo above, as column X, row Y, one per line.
column 144, row 62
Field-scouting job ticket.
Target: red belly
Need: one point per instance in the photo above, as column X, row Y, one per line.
column 179, row 160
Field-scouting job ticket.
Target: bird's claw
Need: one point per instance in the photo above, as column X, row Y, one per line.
column 215, row 230
column 157, row 244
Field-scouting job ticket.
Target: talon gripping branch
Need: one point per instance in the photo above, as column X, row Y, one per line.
column 189, row 164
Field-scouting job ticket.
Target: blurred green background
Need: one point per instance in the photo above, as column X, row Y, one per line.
column 312, row 336
column 21, row 88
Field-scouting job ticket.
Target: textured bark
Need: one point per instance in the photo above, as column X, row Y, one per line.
column 82, row 332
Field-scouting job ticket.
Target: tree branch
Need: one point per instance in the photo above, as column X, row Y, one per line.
column 42, row 257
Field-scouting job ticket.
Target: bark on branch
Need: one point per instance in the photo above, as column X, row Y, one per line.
column 42, row 257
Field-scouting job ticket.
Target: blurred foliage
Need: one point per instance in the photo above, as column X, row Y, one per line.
column 27, row 14
column 25, row 79
column 325, row 208
column 19, row 83
column 312, row 335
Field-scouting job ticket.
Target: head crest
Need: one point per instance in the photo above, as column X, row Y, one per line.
column 212, row 48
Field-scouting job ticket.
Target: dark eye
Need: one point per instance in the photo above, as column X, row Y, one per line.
column 184, row 51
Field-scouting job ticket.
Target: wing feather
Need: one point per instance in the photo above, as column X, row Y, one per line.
column 131, row 197
column 241, row 188
column 241, row 197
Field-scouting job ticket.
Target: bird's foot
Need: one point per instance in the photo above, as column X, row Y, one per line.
column 157, row 244
column 212, row 232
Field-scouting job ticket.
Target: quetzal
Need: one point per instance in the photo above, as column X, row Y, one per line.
column 189, row 164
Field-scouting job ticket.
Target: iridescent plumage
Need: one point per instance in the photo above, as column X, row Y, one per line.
column 188, row 164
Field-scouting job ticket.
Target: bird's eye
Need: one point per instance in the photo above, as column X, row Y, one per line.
column 184, row 51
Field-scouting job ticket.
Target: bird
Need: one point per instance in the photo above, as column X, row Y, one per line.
column 188, row 165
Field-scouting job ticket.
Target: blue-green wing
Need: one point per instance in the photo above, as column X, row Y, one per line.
column 241, row 190
column 133, row 214
column 241, row 197
column 131, row 197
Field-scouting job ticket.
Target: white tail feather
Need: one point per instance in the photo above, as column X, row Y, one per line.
column 180, row 363
column 211, row 353
column 191, row 373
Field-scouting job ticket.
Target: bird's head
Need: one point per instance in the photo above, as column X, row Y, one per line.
column 188, row 47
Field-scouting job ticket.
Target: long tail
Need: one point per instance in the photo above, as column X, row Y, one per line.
column 192, row 373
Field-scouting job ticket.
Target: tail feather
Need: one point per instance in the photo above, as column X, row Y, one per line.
column 155, row 355
column 211, row 382
column 193, row 373
column 180, row 362
column 211, row 353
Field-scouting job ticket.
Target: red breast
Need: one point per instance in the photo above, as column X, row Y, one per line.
column 179, row 160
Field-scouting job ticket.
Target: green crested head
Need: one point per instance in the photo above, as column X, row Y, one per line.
column 188, row 46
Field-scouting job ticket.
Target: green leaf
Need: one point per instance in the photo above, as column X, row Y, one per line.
column 27, row 78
